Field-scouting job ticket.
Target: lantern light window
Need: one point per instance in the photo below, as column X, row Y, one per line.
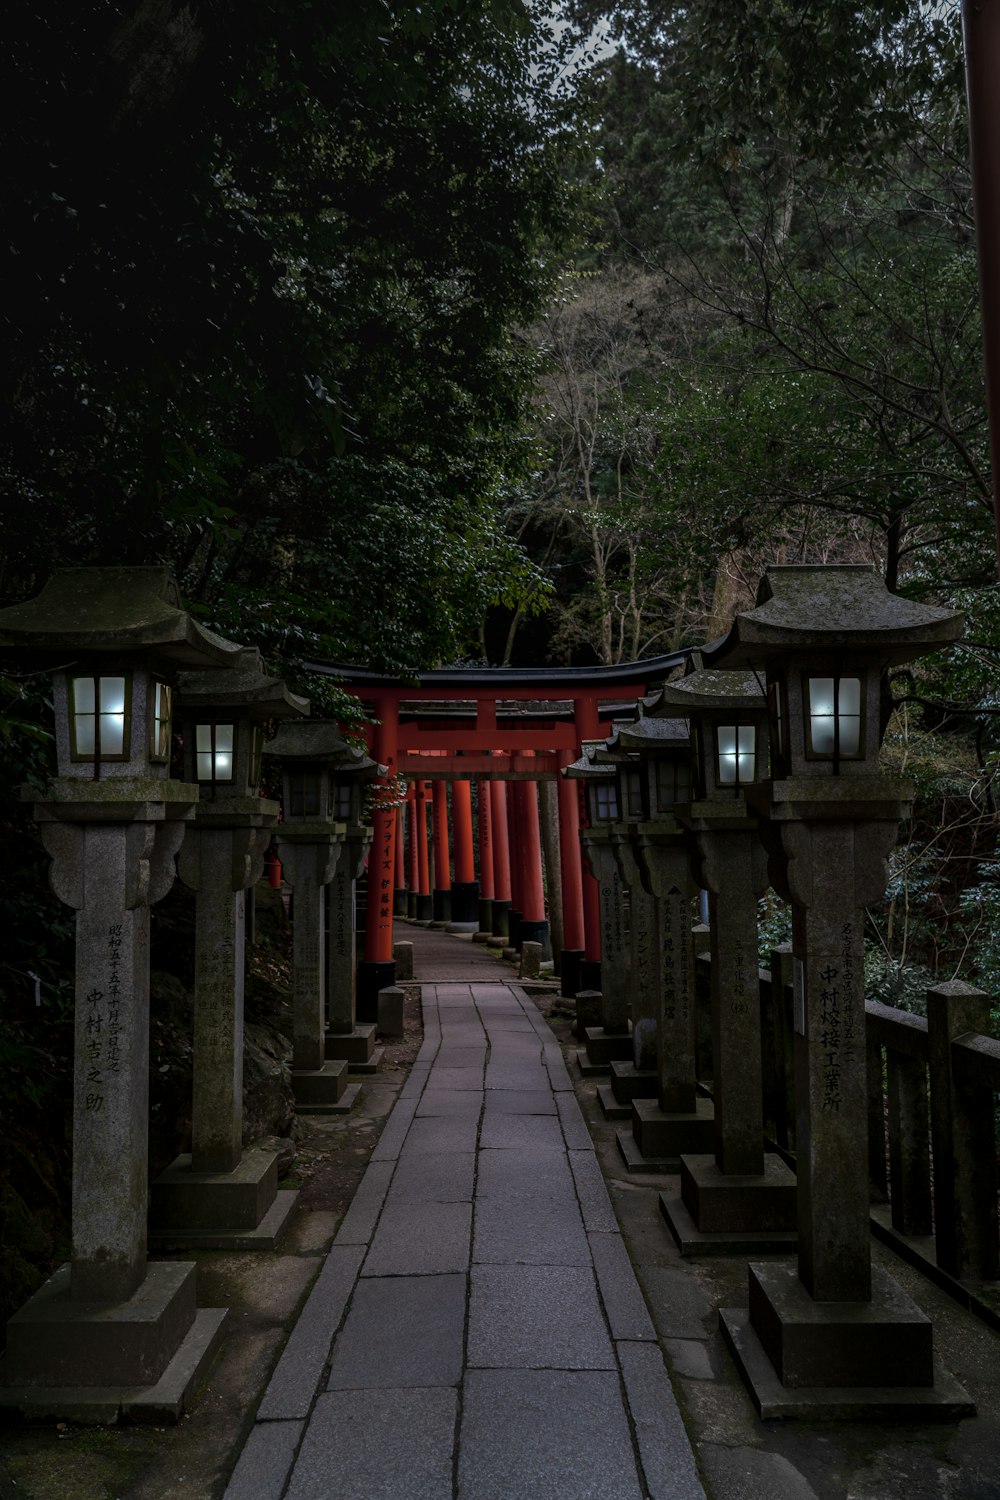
column 343, row 802
column 606, row 801
column 834, row 718
column 736, row 754
column 100, row 730
column 673, row 782
column 159, row 740
column 633, row 794
column 304, row 794
column 214, row 752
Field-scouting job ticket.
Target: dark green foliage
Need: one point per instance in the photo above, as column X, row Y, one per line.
column 247, row 246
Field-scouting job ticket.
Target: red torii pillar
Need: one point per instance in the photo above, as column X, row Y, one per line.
column 412, row 855
column 514, row 915
column 534, row 927
column 501, row 859
column 425, row 901
column 399, row 894
column 442, row 856
column 588, row 727
column 377, row 969
column 484, row 792
column 571, row 866
column 464, row 890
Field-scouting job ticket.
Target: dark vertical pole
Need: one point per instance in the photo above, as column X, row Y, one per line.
column 981, row 28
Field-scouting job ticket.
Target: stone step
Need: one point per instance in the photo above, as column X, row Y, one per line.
column 630, row 1082
column 608, row 1046
column 354, row 1046
column 613, row 1109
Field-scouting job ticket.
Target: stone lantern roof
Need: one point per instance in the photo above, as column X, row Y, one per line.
column 842, row 607
column 588, row 765
column 708, row 690
column 245, row 685
column 113, row 610
column 652, row 734
column 320, row 740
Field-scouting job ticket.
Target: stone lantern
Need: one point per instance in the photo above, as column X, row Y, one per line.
column 348, row 1039
column 219, row 1194
column 668, row 1116
column 740, row 1197
column 311, row 840
column 113, row 821
column 642, row 970
column 611, row 1040
column 824, row 637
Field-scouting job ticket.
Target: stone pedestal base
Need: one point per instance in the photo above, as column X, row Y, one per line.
column 611, row 1107
column 324, row 1091
column 718, row 1202
column 482, row 937
column 607, row 1047
column 657, row 1141
column 424, row 905
column 400, row 903
column 570, row 960
column 356, row 1048
column 629, row 1082
column 501, row 916
column 372, row 976
column 871, row 1360
column 589, row 1006
column 536, row 932
column 91, row 1361
column 461, row 928
column 238, row 1210
column 485, row 915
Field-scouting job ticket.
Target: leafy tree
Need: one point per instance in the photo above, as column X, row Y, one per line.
column 266, row 263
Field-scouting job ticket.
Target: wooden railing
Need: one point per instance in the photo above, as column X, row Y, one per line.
column 932, row 1133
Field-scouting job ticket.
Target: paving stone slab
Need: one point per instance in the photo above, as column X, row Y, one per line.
column 545, row 1435
column 624, row 1303
column 297, row 1375
column 574, row 1126
column 515, row 1177
column 536, row 1317
column 464, row 1079
column 450, row 1104
column 528, row 1233
column 378, row 1445
column 443, row 1178
column 666, row 1454
column 509, row 1132
column 390, row 1142
column 520, row 1102
column 525, row 1078
column 555, row 1066
column 594, row 1201
column 401, row 1331
column 420, row 1239
column 433, row 1136
column 461, row 1057
column 359, row 1222
column 263, row 1466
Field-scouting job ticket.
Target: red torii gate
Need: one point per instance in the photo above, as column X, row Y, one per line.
column 490, row 725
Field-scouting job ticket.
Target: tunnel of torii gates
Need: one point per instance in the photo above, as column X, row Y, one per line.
column 510, row 731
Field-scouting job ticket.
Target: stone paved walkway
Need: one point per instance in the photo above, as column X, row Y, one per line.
column 477, row 1332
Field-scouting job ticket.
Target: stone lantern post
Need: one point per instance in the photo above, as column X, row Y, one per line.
column 670, row 1118
column 109, row 1332
column 348, row 1039
column 824, row 637
column 219, row 1194
column 611, row 1040
column 741, row 1197
column 310, row 842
